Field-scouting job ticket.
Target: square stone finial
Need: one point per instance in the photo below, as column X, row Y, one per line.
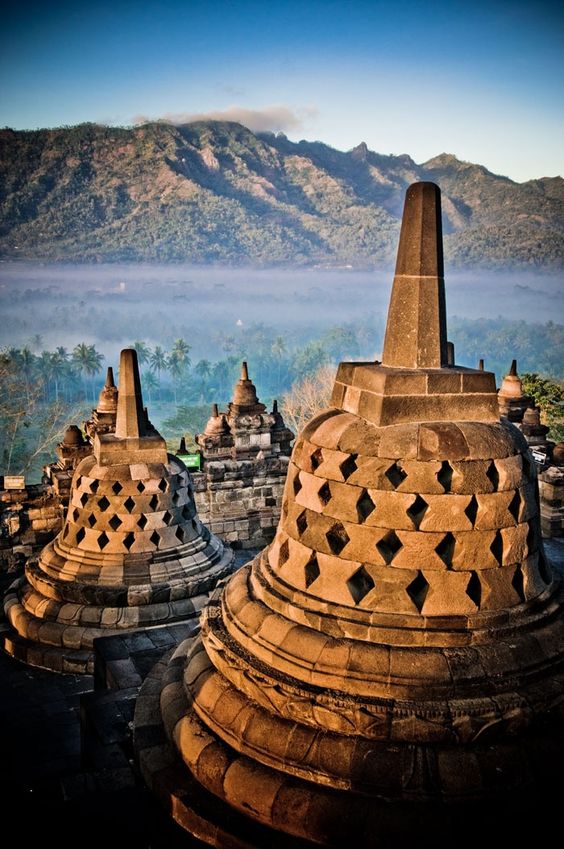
column 130, row 416
column 132, row 441
column 416, row 330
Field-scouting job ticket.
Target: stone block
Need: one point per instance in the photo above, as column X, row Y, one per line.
column 447, row 595
column 443, row 439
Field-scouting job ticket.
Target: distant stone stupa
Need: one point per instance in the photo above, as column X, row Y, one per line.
column 132, row 552
column 403, row 632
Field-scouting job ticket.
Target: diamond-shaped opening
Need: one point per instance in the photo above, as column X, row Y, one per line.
column 417, row 511
column 179, row 533
column 337, row 538
column 325, row 494
column 142, row 522
column 84, row 499
column 360, row 584
column 444, row 475
column 472, row 510
column 544, row 570
column 348, row 466
column 117, row 488
column 445, row 549
column 297, row 484
column 517, row 583
column 389, row 546
column 284, row 553
column 316, row 459
column 493, row 475
column 129, row 539
column 162, row 485
column 74, row 515
column 417, row 591
column 284, row 512
column 312, row 571
column 474, row 589
column 364, row 506
column 176, row 497
column 195, row 525
column 115, row 522
column 103, row 540
column 78, row 482
column 140, row 487
column 301, row 523
column 80, row 534
column 496, row 547
column 66, row 532
column 91, row 520
column 396, row 475
column 103, row 503
column 154, row 502
column 167, row 517
column 515, row 505
column 155, row 538
column 129, row 504
column 94, row 486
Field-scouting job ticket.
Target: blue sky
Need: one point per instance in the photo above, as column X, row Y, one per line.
column 482, row 80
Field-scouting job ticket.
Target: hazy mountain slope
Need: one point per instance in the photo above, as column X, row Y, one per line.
column 216, row 192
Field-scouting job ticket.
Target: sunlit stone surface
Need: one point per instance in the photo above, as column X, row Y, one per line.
column 132, row 553
column 403, row 632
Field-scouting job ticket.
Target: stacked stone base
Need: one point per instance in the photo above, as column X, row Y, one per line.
column 292, row 813
column 241, row 500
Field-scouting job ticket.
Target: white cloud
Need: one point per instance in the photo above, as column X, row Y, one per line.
column 276, row 118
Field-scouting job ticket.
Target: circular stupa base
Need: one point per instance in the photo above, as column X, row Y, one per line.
column 302, row 814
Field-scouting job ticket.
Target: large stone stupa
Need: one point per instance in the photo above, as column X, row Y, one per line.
column 132, row 552
column 400, row 638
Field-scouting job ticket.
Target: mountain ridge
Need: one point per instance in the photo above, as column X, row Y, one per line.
column 213, row 191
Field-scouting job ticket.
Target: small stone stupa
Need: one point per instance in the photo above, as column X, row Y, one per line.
column 245, row 454
column 132, row 552
column 511, row 399
column 104, row 415
column 400, row 636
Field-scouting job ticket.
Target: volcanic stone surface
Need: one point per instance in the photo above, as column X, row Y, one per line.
column 132, row 552
column 402, row 638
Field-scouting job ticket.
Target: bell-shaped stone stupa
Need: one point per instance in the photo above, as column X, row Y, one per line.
column 132, row 552
column 402, row 630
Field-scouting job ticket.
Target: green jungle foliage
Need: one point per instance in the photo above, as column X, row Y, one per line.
column 41, row 393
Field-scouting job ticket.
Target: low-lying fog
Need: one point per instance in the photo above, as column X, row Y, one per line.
column 113, row 305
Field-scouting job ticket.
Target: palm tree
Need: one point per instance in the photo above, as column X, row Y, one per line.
column 158, row 361
column 180, row 351
column 87, row 360
column 143, row 352
column 203, row 369
column 149, row 382
column 278, row 349
column 59, row 368
column 45, row 369
column 26, row 363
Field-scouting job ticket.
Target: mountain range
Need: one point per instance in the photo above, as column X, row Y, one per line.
column 215, row 192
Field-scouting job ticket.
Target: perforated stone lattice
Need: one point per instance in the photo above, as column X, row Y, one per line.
column 494, row 519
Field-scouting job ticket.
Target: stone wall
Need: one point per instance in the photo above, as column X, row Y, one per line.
column 29, row 518
column 240, row 500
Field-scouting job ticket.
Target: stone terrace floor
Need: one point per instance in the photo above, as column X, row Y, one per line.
column 50, row 790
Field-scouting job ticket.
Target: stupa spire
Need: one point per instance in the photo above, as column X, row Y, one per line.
column 130, row 416
column 416, row 329
column 110, row 383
